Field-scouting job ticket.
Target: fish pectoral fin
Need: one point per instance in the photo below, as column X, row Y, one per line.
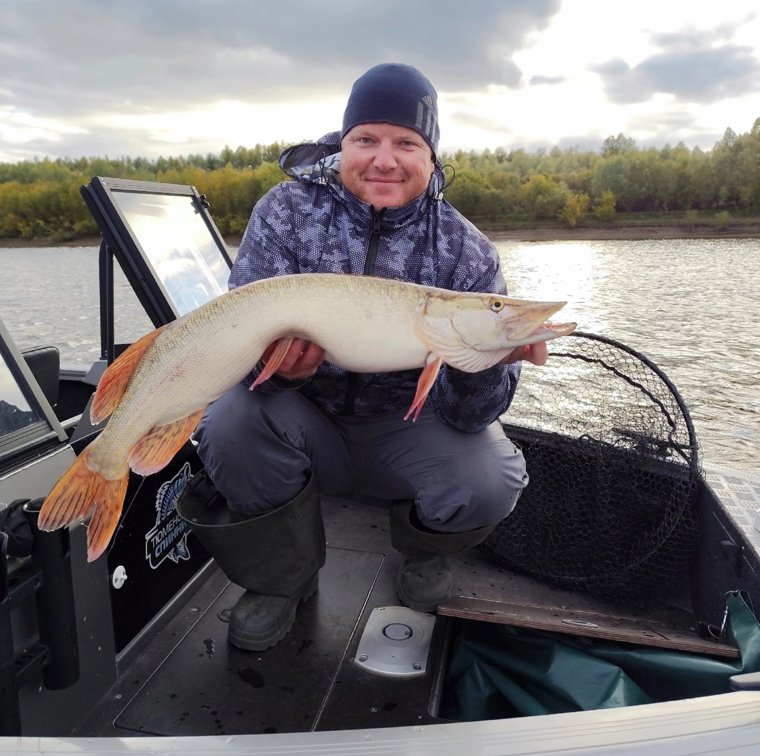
column 114, row 381
column 273, row 361
column 159, row 445
column 424, row 384
column 75, row 494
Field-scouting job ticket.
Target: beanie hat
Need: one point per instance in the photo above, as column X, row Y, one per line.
column 394, row 93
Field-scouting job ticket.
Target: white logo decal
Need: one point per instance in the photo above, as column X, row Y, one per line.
column 167, row 539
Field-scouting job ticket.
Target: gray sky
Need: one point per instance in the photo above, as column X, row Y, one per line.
column 171, row 77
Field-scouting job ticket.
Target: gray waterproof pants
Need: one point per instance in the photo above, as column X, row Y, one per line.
column 259, row 449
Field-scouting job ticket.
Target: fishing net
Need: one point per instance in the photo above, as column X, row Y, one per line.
column 614, row 468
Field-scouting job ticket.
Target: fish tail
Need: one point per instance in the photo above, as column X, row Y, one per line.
column 80, row 489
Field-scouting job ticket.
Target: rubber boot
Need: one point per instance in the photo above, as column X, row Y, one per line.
column 424, row 579
column 275, row 556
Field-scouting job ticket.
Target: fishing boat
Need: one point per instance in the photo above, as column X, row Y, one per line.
column 612, row 611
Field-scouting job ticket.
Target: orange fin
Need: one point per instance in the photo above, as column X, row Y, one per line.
column 105, row 518
column 424, row 384
column 157, row 447
column 73, row 497
column 274, row 361
column 113, row 383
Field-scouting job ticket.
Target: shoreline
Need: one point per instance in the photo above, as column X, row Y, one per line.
column 738, row 230
column 750, row 230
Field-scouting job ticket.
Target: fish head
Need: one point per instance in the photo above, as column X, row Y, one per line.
column 472, row 331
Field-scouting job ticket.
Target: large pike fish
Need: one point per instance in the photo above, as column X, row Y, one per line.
column 156, row 392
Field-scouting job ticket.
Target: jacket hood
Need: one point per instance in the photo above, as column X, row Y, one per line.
column 319, row 163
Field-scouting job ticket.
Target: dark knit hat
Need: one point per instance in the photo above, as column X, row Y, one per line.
column 394, row 93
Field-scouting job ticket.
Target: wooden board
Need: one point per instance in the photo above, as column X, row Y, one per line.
column 584, row 623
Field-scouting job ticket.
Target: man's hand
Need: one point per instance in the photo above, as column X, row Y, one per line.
column 300, row 361
column 535, row 353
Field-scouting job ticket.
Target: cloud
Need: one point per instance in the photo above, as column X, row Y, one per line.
column 539, row 80
column 152, row 77
column 67, row 63
column 493, row 123
column 90, row 54
column 689, row 65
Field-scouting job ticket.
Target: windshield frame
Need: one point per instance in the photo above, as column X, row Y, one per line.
column 46, row 426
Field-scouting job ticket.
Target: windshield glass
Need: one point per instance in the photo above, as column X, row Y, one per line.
column 15, row 411
column 178, row 245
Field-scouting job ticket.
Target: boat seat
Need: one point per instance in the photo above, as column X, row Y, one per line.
column 45, row 364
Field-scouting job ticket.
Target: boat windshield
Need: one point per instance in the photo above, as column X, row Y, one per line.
column 177, row 243
column 16, row 412
column 26, row 417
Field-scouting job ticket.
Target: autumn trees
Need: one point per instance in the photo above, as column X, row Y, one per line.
column 493, row 188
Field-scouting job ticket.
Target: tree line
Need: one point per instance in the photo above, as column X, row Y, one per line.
column 494, row 188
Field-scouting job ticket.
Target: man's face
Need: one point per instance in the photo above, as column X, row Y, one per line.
column 385, row 165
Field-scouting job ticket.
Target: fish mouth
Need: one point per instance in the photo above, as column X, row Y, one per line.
column 525, row 326
column 545, row 332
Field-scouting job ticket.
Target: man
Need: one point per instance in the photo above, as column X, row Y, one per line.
column 365, row 201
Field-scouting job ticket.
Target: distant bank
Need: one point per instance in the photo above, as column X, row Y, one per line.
column 745, row 228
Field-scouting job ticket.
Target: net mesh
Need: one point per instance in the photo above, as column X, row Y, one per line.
column 614, row 468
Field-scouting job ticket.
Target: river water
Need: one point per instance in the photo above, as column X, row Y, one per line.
column 692, row 306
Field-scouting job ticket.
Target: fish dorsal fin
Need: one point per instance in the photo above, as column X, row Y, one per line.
column 158, row 446
column 113, row 383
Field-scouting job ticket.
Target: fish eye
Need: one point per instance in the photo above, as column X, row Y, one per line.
column 496, row 305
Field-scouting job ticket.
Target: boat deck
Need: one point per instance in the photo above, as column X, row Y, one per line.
column 189, row 681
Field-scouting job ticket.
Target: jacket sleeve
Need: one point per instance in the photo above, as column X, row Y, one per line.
column 470, row 402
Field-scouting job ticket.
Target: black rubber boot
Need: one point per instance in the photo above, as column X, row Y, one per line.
column 276, row 557
column 424, row 579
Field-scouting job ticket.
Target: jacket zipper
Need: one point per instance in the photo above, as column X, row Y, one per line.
column 369, row 269
column 374, row 242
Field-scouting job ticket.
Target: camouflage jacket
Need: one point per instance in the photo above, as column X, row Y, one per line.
column 313, row 225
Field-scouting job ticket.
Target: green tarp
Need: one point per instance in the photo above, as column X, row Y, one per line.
column 498, row 671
